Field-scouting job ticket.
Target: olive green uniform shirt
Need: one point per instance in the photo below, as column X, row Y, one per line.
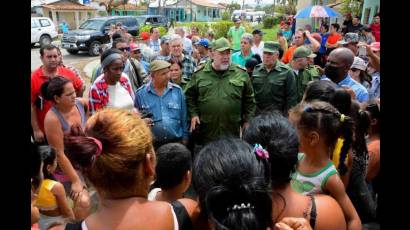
column 303, row 78
column 223, row 101
column 274, row 90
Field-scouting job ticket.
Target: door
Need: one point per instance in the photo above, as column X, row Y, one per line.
column 35, row 31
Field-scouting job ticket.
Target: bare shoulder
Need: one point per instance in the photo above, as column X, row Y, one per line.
column 51, row 120
column 83, row 101
column 158, row 213
column 191, row 206
column 58, row 189
column 329, row 213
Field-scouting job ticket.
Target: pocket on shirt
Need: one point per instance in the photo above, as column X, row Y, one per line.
column 277, row 88
column 203, row 88
column 174, row 110
column 236, row 88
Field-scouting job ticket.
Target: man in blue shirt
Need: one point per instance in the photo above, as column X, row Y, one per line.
column 163, row 106
column 337, row 67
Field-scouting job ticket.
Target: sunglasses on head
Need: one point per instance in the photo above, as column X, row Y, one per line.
column 125, row 49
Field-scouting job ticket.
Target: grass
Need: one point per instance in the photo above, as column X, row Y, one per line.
column 270, row 34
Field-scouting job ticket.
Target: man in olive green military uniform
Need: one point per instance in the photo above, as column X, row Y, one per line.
column 219, row 96
column 303, row 75
column 273, row 82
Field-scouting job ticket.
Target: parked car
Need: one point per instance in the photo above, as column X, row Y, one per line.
column 94, row 32
column 154, row 20
column 43, row 31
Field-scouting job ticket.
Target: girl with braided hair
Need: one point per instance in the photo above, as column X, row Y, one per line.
column 319, row 127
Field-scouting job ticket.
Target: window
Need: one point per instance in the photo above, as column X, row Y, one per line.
column 58, row 16
column 44, row 22
column 154, row 20
column 50, row 15
column 34, row 24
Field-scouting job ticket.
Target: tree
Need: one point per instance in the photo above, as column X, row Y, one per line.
column 351, row 6
column 233, row 6
column 111, row 4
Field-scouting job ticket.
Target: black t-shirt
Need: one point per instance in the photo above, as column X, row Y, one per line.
column 354, row 28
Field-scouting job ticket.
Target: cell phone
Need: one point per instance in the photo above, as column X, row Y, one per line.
column 362, row 51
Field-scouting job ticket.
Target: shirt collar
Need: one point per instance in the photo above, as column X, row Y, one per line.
column 345, row 81
column 150, row 87
column 276, row 66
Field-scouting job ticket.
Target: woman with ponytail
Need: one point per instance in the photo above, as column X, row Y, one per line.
column 116, row 155
column 275, row 133
column 319, row 127
column 67, row 113
column 232, row 181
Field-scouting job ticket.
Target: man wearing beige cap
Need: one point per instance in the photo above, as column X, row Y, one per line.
column 273, row 81
column 299, row 64
column 219, row 96
column 162, row 105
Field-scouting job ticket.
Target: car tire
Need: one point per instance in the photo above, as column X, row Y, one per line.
column 45, row 40
column 94, row 48
column 73, row 52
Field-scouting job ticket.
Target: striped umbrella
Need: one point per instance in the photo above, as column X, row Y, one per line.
column 317, row 12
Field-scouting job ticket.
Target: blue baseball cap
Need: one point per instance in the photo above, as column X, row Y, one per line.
column 203, row 42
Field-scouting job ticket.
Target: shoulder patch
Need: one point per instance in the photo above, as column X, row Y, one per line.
column 200, row 67
column 241, row 67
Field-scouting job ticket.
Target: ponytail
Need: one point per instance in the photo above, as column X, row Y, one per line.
column 82, row 151
column 346, row 131
column 362, row 125
column 248, row 206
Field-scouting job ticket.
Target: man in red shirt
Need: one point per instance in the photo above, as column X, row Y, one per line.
column 50, row 69
column 333, row 38
column 375, row 26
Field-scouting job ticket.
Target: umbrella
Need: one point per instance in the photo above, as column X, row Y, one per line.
column 317, row 12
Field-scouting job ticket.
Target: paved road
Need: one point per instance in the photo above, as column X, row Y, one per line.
column 75, row 60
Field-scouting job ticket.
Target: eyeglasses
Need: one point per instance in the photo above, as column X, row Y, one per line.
column 117, row 68
column 125, row 49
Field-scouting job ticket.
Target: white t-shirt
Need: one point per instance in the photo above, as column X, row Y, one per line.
column 187, row 45
column 119, row 98
column 259, row 49
column 153, row 194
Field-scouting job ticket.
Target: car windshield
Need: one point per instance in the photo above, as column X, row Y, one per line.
column 140, row 19
column 92, row 25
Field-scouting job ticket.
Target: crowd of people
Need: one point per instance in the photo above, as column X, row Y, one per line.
column 188, row 131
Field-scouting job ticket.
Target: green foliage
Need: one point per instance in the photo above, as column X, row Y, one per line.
column 226, row 16
column 268, row 22
column 287, row 9
column 351, row 6
column 219, row 28
column 162, row 30
column 233, row 6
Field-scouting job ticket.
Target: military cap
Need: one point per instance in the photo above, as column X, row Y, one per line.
column 271, row 46
column 303, row 52
column 221, row 44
